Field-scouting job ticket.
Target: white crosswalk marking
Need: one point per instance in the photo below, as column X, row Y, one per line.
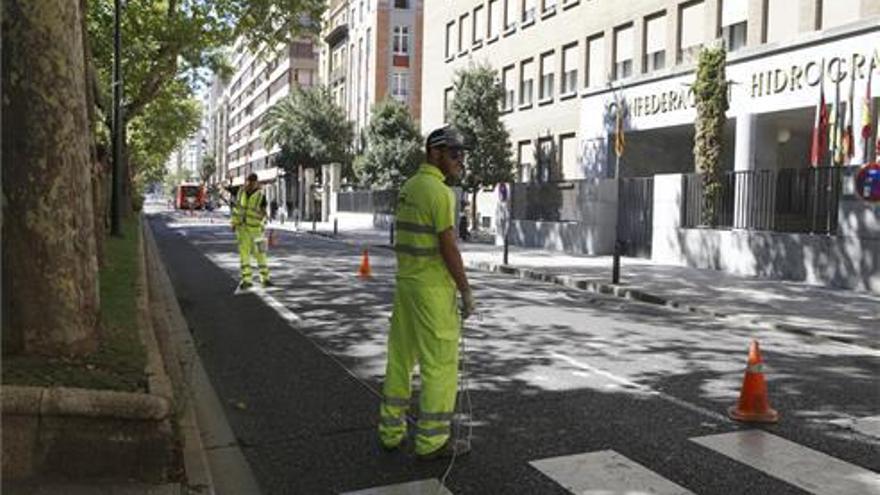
column 422, row 487
column 813, row 471
column 606, row 472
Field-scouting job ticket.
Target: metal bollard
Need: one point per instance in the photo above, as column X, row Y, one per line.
column 335, row 227
column 391, row 230
column 314, row 224
column 615, row 267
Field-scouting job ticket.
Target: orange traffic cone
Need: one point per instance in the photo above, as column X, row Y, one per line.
column 273, row 240
column 754, row 405
column 364, row 271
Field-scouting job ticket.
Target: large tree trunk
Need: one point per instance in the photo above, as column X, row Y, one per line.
column 50, row 272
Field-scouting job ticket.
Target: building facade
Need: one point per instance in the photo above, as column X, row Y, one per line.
column 564, row 62
column 259, row 81
column 372, row 49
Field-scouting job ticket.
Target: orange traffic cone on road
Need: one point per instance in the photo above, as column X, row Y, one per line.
column 364, row 271
column 754, row 405
column 272, row 240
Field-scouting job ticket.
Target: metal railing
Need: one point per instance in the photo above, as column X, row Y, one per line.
column 799, row 200
column 367, row 201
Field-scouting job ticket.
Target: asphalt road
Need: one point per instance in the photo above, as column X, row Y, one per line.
column 552, row 372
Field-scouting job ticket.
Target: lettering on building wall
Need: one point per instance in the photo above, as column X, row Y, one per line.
column 792, row 78
column 798, row 76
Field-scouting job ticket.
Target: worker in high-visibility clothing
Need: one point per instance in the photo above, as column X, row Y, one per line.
column 425, row 322
column 248, row 223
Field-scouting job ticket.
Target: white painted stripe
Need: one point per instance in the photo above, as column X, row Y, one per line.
column 423, row 487
column 638, row 387
column 289, row 316
column 869, row 426
column 606, row 472
column 800, row 466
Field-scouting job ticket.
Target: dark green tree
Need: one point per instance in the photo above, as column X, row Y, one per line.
column 711, row 95
column 393, row 147
column 476, row 114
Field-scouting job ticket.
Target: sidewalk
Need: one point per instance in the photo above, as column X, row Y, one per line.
column 837, row 314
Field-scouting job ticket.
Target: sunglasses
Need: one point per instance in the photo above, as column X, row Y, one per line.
column 455, row 153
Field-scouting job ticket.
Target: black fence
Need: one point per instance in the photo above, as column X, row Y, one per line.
column 798, row 200
column 367, row 201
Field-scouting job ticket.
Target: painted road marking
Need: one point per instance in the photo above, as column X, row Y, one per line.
column 422, row 487
column 869, row 426
column 800, row 466
column 638, row 387
column 606, row 472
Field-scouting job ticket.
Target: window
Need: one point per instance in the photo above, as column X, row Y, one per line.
column 400, row 86
column 526, row 82
column 462, row 33
column 782, row 19
column 568, row 153
column 508, row 83
column 623, row 52
column 734, row 24
column 691, row 30
column 447, row 103
column 509, row 14
column 595, row 62
column 547, row 72
column 495, row 19
column 569, row 69
column 401, row 40
column 547, row 161
column 478, row 25
column 548, row 5
column 655, row 42
column 528, row 11
column 401, row 4
column 450, row 28
column 525, row 155
column 839, row 12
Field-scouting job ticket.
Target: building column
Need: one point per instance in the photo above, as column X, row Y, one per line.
column 744, row 160
column 672, row 27
column 757, row 20
column 808, row 19
column 713, row 20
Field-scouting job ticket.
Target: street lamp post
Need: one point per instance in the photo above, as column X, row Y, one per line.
column 116, row 193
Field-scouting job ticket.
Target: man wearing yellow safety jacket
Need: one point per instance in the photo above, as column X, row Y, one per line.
column 248, row 221
column 425, row 322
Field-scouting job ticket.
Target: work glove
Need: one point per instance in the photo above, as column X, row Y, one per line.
column 467, row 304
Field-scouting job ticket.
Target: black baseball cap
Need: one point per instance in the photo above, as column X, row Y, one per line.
column 445, row 137
column 252, row 177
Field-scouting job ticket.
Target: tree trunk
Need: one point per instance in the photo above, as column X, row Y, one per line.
column 96, row 158
column 474, row 213
column 50, row 273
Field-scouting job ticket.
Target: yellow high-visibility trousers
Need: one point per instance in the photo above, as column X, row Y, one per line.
column 251, row 242
column 418, row 317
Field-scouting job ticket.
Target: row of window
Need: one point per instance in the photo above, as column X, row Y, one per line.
column 782, row 21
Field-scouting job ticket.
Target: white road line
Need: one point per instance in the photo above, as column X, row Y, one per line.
column 869, row 426
column 604, row 473
column 812, row 471
column 289, row 316
column 422, row 487
column 641, row 388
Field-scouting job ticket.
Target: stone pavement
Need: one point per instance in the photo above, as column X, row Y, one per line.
column 838, row 314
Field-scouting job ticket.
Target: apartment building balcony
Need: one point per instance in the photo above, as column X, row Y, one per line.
column 337, row 35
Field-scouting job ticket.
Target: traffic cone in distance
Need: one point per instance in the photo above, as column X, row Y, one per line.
column 754, row 405
column 273, row 241
column 364, row 271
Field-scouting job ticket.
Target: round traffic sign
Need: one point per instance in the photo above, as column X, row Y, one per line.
column 868, row 182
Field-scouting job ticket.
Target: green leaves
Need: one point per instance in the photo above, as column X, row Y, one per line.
column 394, row 147
column 710, row 91
column 310, row 129
column 476, row 114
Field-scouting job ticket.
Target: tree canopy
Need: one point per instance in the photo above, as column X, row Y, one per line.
column 310, row 129
column 476, row 114
column 394, row 147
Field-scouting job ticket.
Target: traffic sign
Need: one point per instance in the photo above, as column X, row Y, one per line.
column 868, row 182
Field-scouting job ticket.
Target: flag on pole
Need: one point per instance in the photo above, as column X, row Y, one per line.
column 820, row 129
column 847, row 139
column 867, row 113
column 834, row 128
column 619, row 137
